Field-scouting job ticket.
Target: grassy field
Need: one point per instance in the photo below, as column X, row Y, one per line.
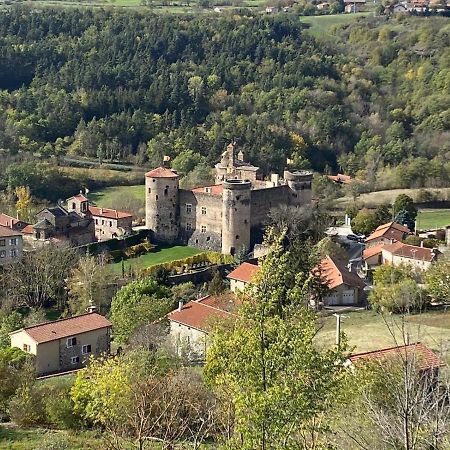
column 429, row 219
column 367, row 330
column 12, row 438
column 322, row 25
column 107, row 196
column 158, row 256
column 373, row 199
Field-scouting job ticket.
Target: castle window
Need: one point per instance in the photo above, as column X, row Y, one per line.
column 156, row 197
column 149, row 190
column 188, row 226
column 166, row 191
column 237, row 236
column 204, row 210
column 188, row 208
column 208, row 238
column 73, row 205
column 245, row 221
column 110, row 223
column 203, row 229
column 96, row 221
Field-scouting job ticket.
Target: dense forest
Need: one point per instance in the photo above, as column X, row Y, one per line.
column 129, row 86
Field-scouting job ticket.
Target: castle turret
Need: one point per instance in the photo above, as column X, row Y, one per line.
column 161, row 204
column 236, row 216
column 300, row 184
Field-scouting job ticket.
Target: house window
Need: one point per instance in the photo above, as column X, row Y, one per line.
column 166, row 191
column 188, row 208
column 13, row 253
column 84, row 206
column 86, row 349
column 203, row 228
column 188, row 226
column 73, row 205
column 237, row 236
column 156, row 197
column 103, row 222
column 26, row 348
column 72, row 341
column 149, row 190
column 96, row 221
column 204, row 210
column 110, row 223
column 2, row 242
column 75, row 359
column 13, row 241
column 2, row 254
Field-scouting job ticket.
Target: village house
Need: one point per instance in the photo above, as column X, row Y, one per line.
column 65, row 344
column 58, row 225
column 412, row 255
column 242, row 276
column 340, row 178
column 108, row 223
column 191, row 323
column 417, row 353
column 323, row 6
column 11, row 245
column 386, row 234
column 345, row 286
column 353, row 6
column 399, row 253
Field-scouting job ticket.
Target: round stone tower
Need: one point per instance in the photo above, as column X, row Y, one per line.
column 161, row 204
column 299, row 183
column 236, row 216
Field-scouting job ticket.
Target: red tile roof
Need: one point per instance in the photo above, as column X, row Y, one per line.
column 79, row 197
column 161, row 172
column 340, row 178
column 424, row 355
column 109, row 213
column 216, row 189
column 59, row 329
column 335, row 273
column 198, row 313
column 391, row 230
column 28, row 229
column 372, row 251
column 8, row 221
column 245, row 272
column 8, row 232
column 410, row 251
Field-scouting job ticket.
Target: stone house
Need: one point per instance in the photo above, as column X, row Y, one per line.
column 241, row 276
column 108, row 223
column 65, row 344
column 386, row 234
column 59, row 225
column 227, row 216
column 11, row 245
column 191, row 323
column 345, row 287
column 412, row 255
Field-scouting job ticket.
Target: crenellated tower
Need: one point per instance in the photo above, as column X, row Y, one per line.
column 236, row 209
column 300, row 183
column 162, row 204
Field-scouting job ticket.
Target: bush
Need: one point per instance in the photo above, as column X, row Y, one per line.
column 27, row 408
column 59, row 407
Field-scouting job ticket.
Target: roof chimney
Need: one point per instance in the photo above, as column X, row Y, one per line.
column 180, row 305
column 421, row 244
column 101, row 210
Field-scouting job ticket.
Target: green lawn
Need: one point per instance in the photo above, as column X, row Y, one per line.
column 12, row 438
column 158, row 256
column 106, row 197
column 367, row 331
column 429, row 219
column 322, row 25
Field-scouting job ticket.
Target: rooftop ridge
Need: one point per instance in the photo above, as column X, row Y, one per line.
column 55, row 321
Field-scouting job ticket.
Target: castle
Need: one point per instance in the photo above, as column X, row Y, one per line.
column 223, row 217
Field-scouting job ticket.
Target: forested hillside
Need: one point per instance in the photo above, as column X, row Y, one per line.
column 134, row 86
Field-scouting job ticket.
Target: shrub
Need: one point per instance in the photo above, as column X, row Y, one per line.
column 26, row 408
column 53, row 441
